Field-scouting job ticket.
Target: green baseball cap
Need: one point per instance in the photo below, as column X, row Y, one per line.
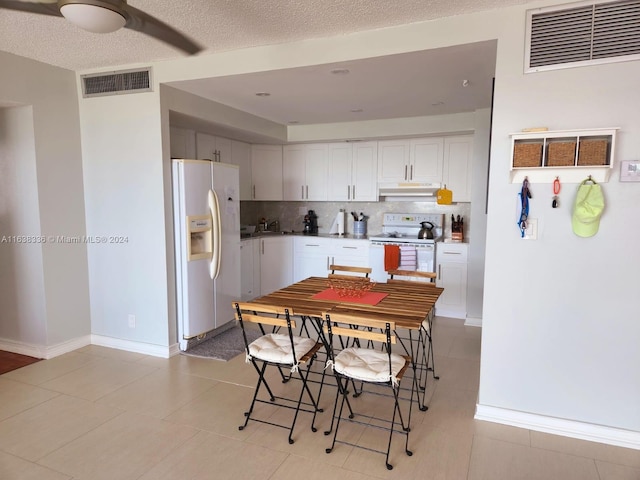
column 588, row 209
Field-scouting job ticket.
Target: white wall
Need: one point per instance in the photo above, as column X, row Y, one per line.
column 50, row 150
column 478, row 215
column 22, row 297
column 560, row 329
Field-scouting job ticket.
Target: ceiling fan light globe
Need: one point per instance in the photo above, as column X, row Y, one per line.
column 93, row 18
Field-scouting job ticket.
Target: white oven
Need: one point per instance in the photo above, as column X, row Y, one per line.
column 425, row 258
column 402, row 230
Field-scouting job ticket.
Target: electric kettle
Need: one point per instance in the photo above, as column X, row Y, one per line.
column 426, row 232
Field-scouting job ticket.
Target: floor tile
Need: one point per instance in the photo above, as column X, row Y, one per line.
column 610, row 471
column 296, row 468
column 44, row 428
column 158, row 394
column 16, row 397
column 46, row 370
column 225, row 458
column 497, row 460
column 113, row 353
column 583, row 448
column 14, row 468
column 218, row 410
column 123, row 448
column 98, row 378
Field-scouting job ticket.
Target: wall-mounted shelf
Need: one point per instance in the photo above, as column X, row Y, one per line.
column 571, row 155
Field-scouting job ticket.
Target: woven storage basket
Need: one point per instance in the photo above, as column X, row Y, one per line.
column 561, row 154
column 527, row 155
column 592, row 152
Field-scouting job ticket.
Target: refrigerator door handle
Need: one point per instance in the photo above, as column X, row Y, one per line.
column 214, row 208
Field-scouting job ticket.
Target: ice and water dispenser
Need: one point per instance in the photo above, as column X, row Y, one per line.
column 199, row 243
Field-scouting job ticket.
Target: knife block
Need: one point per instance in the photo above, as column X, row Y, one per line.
column 457, row 231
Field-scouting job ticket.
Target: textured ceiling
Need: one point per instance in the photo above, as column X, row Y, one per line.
column 394, row 86
column 219, row 25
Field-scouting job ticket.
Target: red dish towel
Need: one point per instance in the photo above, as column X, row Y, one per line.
column 391, row 257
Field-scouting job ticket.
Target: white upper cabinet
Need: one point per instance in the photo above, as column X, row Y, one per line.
column 241, row 156
column 183, row 143
column 393, row 161
column 353, row 171
column 458, row 155
column 410, row 160
column 209, row 147
column 364, row 172
column 266, row 172
column 304, row 172
column 426, row 159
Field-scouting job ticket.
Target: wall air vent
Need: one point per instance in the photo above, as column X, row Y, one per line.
column 116, row 83
column 588, row 33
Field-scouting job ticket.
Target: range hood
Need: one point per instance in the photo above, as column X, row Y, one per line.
column 425, row 191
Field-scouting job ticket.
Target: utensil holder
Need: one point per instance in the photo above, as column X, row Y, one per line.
column 360, row 227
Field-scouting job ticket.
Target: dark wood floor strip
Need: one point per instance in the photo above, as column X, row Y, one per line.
column 11, row 361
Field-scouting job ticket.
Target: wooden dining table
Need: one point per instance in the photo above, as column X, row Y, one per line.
column 408, row 303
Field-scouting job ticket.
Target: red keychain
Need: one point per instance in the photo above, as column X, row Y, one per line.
column 556, row 191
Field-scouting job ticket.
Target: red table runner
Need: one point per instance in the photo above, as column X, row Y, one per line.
column 369, row 298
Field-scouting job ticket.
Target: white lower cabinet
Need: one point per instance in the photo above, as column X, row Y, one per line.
column 451, row 260
column 250, row 268
column 351, row 252
column 314, row 255
column 310, row 257
column 276, row 263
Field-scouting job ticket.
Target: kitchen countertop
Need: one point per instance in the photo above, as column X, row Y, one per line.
column 247, row 236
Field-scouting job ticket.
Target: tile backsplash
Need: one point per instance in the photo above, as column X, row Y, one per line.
column 291, row 214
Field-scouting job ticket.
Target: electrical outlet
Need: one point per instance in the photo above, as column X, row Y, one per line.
column 132, row 321
column 531, row 233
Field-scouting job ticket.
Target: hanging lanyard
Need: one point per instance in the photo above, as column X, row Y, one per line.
column 525, row 195
column 556, row 191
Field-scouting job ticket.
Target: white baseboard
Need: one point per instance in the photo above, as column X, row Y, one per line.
column 137, row 347
column 559, row 426
column 473, row 322
column 43, row 351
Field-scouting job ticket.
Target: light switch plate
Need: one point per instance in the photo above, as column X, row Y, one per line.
column 531, row 233
column 630, row 171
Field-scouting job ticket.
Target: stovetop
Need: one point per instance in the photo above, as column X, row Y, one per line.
column 404, row 228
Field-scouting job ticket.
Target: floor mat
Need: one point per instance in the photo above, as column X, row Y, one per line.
column 224, row 346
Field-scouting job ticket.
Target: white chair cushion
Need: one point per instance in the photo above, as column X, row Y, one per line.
column 275, row 347
column 368, row 365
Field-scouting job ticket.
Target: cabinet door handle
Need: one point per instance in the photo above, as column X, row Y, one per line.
column 254, row 192
column 405, row 172
column 348, row 192
column 439, row 271
column 327, row 263
column 354, row 192
column 352, row 248
column 302, row 192
column 307, row 192
column 411, row 176
column 262, row 246
column 452, row 253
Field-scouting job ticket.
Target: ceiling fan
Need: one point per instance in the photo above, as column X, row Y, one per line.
column 105, row 16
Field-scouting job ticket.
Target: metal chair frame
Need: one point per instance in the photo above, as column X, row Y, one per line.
column 255, row 313
column 362, row 328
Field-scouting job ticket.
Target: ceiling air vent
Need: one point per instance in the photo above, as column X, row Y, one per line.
column 116, row 83
column 585, row 34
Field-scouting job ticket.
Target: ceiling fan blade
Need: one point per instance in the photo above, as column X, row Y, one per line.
column 142, row 22
column 44, row 8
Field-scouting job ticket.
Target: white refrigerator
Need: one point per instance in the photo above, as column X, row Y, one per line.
column 206, row 208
